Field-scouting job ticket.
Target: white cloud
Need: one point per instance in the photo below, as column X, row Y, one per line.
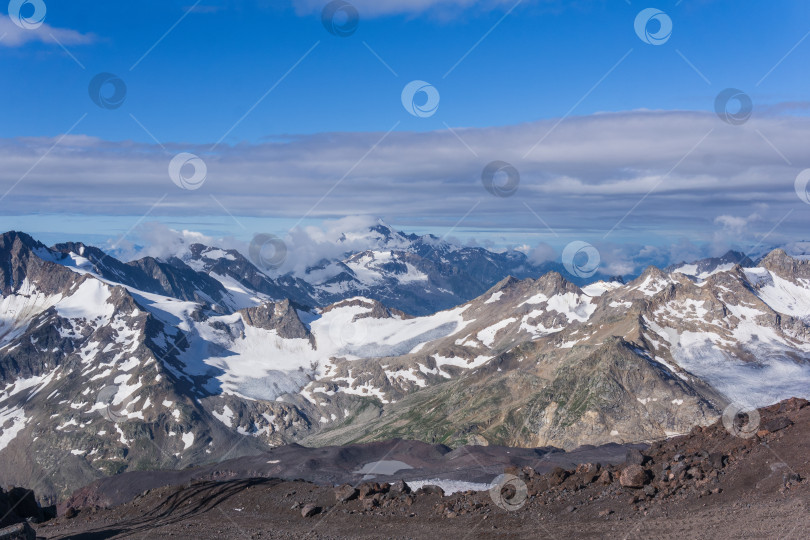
column 14, row 36
column 736, row 224
column 733, row 231
column 306, row 246
column 155, row 239
column 542, row 253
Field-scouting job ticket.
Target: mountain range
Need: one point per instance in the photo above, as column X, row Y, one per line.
column 108, row 366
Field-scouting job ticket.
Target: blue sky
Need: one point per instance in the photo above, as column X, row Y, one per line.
column 215, row 64
column 316, row 128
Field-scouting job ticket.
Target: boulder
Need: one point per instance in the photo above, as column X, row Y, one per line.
column 310, row 510
column 716, row 460
column 400, row 488
column 557, row 476
column 635, row 457
column 368, row 489
column 345, row 493
column 587, row 468
column 633, row 476
column 430, row 489
column 20, row 531
column 606, row 478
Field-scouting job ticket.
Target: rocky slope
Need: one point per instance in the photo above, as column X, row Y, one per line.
column 709, row 483
column 108, row 367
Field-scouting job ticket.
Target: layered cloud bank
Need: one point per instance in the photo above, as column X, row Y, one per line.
column 610, row 175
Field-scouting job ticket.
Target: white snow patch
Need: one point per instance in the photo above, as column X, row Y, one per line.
column 226, row 416
column 487, row 335
column 494, row 298
column 188, row 440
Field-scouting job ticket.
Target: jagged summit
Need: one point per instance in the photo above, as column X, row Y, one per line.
column 10, row 237
column 783, row 264
column 704, row 268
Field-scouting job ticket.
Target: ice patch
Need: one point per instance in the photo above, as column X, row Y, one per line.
column 450, row 486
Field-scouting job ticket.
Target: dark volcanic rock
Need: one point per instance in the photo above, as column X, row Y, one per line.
column 20, row 504
column 400, row 488
column 635, row 457
column 367, row 490
column 606, row 478
column 777, row 424
column 430, row 489
column 20, row 531
column 633, row 476
column 716, row 460
column 345, row 493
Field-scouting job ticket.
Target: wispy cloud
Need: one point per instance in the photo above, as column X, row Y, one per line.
column 14, row 36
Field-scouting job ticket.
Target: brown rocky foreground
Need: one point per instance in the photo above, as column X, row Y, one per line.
column 715, row 482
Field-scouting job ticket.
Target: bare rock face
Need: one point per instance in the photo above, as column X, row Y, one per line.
column 279, row 316
column 20, row 505
column 20, row 264
column 376, row 309
column 785, row 266
column 310, row 510
column 633, row 476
